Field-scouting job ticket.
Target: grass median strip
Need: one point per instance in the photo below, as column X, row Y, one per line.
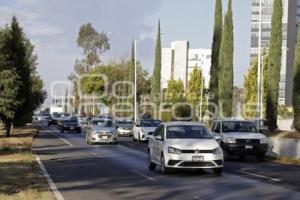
column 20, row 175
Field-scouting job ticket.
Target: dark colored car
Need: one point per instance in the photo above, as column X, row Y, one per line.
column 69, row 125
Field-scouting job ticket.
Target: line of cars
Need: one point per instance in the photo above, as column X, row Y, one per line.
column 181, row 145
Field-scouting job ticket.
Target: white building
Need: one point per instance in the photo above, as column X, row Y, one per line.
column 179, row 61
column 290, row 19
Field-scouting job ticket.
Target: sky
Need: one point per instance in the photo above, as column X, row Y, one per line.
column 53, row 25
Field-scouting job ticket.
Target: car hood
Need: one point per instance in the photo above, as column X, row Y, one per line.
column 148, row 129
column 103, row 129
column 243, row 135
column 191, row 144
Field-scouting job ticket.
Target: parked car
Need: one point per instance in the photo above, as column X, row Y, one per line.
column 183, row 145
column 240, row 138
column 101, row 131
column 144, row 129
column 124, row 127
column 71, row 125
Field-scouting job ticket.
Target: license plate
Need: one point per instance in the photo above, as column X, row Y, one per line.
column 104, row 137
column 197, row 158
column 248, row 147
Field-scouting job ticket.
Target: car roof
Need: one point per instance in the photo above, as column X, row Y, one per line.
column 232, row 120
column 185, row 123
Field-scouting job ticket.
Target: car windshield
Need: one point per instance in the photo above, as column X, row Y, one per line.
column 238, row 126
column 70, row 121
column 102, row 123
column 188, row 132
column 124, row 123
column 150, row 123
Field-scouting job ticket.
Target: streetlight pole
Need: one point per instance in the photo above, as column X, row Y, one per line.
column 201, row 98
column 135, row 82
column 259, row 64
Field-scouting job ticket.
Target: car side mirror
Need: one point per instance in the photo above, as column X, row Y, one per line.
column 217, row 137
column 158, row 137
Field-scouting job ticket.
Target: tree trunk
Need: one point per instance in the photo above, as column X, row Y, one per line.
column 9, row 128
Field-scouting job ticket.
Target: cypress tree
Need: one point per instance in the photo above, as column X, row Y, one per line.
column 226, row 65
column 217, row 37
column 296, row 89
column 155, row 84
column 274, row 65
column 131, row 74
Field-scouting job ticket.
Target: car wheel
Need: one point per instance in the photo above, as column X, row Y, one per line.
column 151, row 165
column 260, row 157
column 164, row 169
column 218, row 171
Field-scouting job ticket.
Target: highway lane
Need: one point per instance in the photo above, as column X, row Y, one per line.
column 119, row 171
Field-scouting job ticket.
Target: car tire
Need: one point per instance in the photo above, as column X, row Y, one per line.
column 151, row 165
column 164, row 169
column 260, row 157
column 217, row 171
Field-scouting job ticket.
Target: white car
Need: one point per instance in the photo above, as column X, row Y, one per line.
column 101, row 131
column 144, row 129
column 240, row 138
column 124, row 127
column 183, row 145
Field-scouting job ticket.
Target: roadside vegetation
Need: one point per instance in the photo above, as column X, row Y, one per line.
column 21, row 177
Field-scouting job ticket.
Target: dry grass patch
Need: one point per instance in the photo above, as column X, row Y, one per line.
column 284, row 160
column 285, row 134
column 20, row 175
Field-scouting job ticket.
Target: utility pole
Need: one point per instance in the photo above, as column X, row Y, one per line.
column 135, row 83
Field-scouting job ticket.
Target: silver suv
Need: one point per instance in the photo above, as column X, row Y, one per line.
column 240, row 138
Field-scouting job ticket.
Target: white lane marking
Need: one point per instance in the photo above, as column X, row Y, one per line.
column 260, row 176
column 143, row 175
column 94, row 154
column 64, row 140
column 53, row 187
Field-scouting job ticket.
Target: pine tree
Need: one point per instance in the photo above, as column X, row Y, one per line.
column 155, row 83
column 296, row 89
column 195, row 86
column 226, row 65
column 274, row 65
column 217, row 37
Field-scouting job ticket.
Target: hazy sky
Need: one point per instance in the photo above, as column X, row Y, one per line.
column 52, row 26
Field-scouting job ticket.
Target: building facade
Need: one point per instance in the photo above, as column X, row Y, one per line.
column 291, row 17
column 179, row 61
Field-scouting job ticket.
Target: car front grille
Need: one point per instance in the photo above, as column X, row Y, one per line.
column 196, row 164
column 198, row 151
column 248, row 141
column 173, row 162
column 102, row 136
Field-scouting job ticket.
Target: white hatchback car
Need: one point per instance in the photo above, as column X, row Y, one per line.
column 184, row 145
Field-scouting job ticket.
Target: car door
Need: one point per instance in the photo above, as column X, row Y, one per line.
column 158, row 142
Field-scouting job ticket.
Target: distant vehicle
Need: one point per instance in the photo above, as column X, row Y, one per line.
column 183, row 145
column 69, row 125
column 55, row 118
column 124, row 127
column 101, row 131
column 240, row 138
column 43, row 116
column 56, row 109
column 106, row 116
column 144, row 129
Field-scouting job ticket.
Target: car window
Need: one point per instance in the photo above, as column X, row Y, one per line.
column 218, row 127
column 157, row 130
column 238, row 126
column 188, row 132
column 150, row 123
column 102, row 123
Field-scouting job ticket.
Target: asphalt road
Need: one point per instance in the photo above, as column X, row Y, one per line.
column 82, row 172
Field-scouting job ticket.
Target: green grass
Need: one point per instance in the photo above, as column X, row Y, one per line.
column 20, row 175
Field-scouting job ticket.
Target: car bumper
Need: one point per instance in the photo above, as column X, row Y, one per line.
column 100, row 139
column 76, row 129
column 125, row 132
column 186, row 161
column 238, row 149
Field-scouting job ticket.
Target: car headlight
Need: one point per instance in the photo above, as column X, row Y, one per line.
column 174, row 150
column 263, row 140
column 230, row 140
column 217, row 150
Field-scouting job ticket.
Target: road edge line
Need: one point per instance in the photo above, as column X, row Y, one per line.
column 260, row 176
column 63, row 139
column 143, row 175
column 52, row 185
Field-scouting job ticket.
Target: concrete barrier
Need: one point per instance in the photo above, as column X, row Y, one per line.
column 284, row 147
